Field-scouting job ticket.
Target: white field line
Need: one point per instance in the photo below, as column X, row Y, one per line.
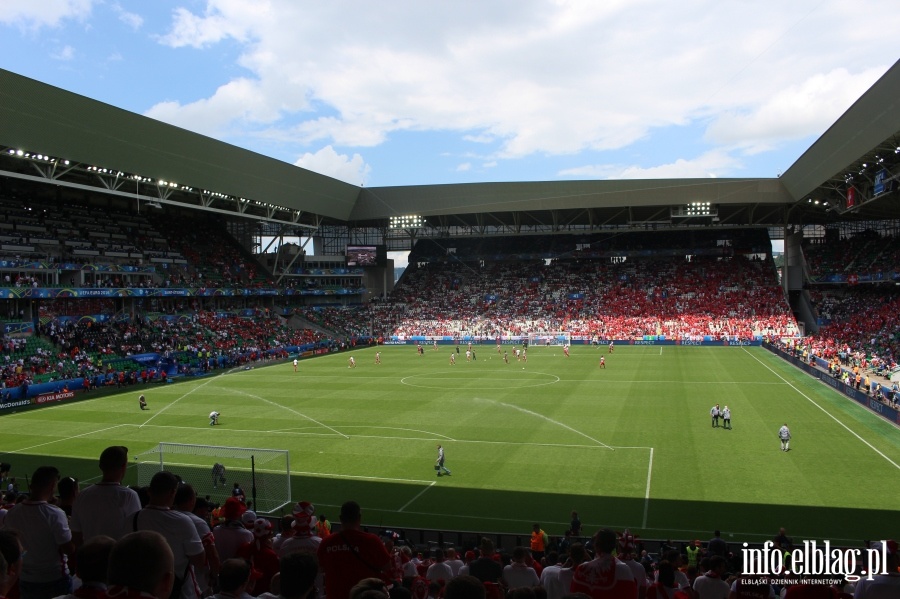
column 354, row 477
column 108, row 428
column 436, row 437
column 647, row 492
column 830, row 415
column 291, row 410
column 422, row 492
column 389, row 428
column 556, row 422
column 169, row 405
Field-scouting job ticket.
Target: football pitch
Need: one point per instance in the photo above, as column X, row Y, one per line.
column 629, row 445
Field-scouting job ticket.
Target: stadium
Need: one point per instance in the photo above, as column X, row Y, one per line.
column 143, row 259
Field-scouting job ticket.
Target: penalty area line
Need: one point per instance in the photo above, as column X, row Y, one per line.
column 647, row 492
column 419, row 494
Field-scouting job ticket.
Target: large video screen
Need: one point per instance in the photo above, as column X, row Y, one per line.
column 362, row 255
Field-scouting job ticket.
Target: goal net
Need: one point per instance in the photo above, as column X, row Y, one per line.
column 550, row 338
column 213, row 470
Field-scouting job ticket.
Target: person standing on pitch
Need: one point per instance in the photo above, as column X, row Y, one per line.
column 715, row 412
column 726, row 418
column 440, row 462
column 213, row 418
column 784, row 433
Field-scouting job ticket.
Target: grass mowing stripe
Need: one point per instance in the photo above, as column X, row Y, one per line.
column 168, row 405
column 832, row 416
column 515, row 466
column 291, row 410
column 550, row 420
column 109, row 428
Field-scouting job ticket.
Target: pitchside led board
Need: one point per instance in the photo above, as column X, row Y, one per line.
column 366, row 255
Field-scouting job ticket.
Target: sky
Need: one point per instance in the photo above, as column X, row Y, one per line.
column 413, row 92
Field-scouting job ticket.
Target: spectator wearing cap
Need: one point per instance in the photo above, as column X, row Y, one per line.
column 44, row 531
column 231, row 533
column 178, row 530
column 882, row 585
column 261, row 556
column 304, row 538
column 186, row 502
column 604, row 577
column 101, row 509
column 248, row 519
column 351, row 555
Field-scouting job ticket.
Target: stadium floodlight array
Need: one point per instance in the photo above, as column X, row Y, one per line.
column 409, row 221
column 550, row 338
column 263, row 474
column 694, row 209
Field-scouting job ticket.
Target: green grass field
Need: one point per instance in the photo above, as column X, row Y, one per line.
column 627, row 446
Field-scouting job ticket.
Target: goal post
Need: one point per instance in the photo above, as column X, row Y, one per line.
column 263, row 474
column 550, row 338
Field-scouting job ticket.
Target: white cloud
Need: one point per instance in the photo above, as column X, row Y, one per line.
column 67, row 53
column 239, row 98
column 133, row 20
column 798, row 111
column 198, row 31
column 327, row 161
column 711, row 164
column 29, row 14
column 465, row 166
column 536, row 76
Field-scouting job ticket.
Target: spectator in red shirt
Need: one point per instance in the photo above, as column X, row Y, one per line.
column 351, row 555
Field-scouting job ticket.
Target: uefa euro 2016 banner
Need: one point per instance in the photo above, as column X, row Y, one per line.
column 110, row 292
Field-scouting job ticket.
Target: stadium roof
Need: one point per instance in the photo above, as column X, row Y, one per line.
column 138, row 153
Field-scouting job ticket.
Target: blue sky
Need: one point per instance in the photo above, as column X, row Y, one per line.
column 427, row 91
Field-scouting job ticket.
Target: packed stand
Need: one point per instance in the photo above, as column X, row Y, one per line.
column 732, row 296
column 168, row 541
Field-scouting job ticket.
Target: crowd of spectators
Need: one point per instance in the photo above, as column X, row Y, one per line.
column 676, row 297
column 864, row 253
column 204, row 339
column 189, row 548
